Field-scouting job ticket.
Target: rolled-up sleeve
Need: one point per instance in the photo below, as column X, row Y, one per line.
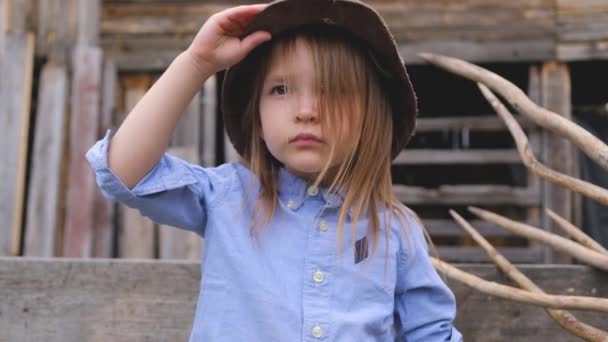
column 425, row 307
column 173, row 192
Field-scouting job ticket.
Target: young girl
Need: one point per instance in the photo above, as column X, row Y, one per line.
column 305, row 240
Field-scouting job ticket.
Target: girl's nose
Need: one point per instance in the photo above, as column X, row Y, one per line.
column 307, row 109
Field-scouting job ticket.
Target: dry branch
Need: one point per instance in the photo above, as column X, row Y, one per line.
column 519, row 295
column 567, row 320
column 557, row 242
column 575, row 232
column 592, row 191
column 587, row 142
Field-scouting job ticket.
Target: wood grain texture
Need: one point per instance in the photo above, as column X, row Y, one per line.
column 557, row 152
column 56, row 28
column 15, row 101
column 103, row 229
column 84, row 122
column 64, row 300
column 44, row 192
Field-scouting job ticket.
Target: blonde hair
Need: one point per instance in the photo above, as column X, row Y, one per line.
column 365, row 173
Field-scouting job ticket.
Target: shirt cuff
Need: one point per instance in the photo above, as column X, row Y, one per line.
column 167, row 174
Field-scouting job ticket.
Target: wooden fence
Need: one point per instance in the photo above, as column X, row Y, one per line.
column 66, row 300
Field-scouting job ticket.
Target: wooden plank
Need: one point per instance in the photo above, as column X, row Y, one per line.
column 467, row 195
column 43, row 208
column 88, row 22
column 519, row 30
column 84, row 122
column 176, row 243
column 557, row 152
column 582, row 20
column 209, row 108
column 18, row 15
column 136, row 233
column 103, row 230
column 15, row 102
column 449, row 228
column 472, row 123
column 127, row 300
column 475, row 254
column 471, row 156
column 56, row 28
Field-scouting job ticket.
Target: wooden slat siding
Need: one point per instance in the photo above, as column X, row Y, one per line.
column 470, row 156
column 473, row 123
column 15, row 101
column 47, row 154
column 136, row 233
column 89, row 13
column 176, row 243
column 518, row 29
column 84, row 123
column 467, row 195
column 582, row 29
column 56, row 27
column 443, row 227
column 18, row 15
column 103, row 229
column 474, row 254
column 535, row 137
column 208, row 130
column 557, row 152
column 128, row 300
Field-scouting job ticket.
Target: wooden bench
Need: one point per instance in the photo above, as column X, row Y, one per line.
column 67, row 300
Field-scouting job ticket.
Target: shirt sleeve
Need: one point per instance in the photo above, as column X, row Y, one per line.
column 424, row 306
column 174, row 192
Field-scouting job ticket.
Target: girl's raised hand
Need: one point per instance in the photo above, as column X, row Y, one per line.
column 217, row 46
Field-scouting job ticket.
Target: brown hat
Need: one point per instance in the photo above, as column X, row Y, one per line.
column 352, row 16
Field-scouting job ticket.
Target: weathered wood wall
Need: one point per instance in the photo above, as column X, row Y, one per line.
column 476, row 30
column 68, row 300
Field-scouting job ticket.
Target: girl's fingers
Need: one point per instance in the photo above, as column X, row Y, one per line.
column 234, row 21
column 253, row 40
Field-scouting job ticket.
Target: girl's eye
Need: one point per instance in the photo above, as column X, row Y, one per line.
column 278, row 90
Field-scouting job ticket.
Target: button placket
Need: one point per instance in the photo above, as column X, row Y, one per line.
column 317, row 291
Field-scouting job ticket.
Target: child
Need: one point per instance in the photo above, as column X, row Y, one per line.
column 317, row 111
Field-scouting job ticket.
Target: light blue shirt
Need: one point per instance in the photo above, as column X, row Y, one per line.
column 290, row 284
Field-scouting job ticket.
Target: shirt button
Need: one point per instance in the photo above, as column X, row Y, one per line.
column 313, row 191
column 291, row 204
column 318, row 276
column 317, row 331
column 323, row 225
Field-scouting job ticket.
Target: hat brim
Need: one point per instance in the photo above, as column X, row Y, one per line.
column 350, row 15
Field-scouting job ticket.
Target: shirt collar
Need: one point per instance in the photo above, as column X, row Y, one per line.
column 293, row 191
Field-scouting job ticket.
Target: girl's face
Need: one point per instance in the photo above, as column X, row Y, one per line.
column 290, row 115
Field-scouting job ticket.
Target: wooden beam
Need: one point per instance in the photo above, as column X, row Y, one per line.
column 84, row 126
column 43, row 204
column 449, row 228
column 208, row 122
column 467, row 195
column 556, row 95
column 103, row 230
column 471, row 156
column 57, row 28
column 124, row 300
column 474, row 254
column 16, row 76
column 472, row 123
column 519, row 30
